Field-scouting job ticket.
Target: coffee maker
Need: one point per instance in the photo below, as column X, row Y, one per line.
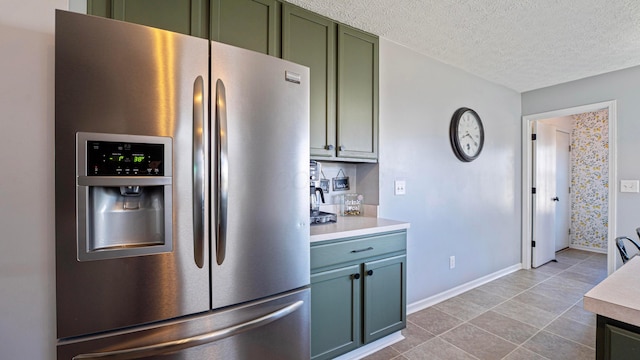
column 317, row 216
column 313, row 199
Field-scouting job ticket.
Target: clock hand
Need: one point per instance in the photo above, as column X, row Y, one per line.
column 471, row 137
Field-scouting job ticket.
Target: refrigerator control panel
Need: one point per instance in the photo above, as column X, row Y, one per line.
column 113, row 158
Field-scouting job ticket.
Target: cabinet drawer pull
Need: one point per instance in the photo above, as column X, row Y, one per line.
column 356, row 276
column 369, row 272
column 361, row 250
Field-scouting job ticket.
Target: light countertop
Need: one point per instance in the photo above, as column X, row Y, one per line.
column 348, row 226
column 618, row 296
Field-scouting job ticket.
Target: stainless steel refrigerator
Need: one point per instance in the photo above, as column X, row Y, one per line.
column 182, row 226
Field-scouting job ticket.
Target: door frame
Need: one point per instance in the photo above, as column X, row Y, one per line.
column 527, row 171
column 566, row 150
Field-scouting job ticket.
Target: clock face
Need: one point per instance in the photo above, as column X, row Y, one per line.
column 467, row 134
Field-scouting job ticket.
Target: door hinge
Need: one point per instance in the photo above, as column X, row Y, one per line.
column 533, row 136
column 533, row 243
column 569, row 231
column 569, row 148
column 569, row 189
column 533, row 190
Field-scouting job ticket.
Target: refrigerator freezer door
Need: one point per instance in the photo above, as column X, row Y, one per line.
column 120, row 78
column 260, row 217
column 276, row 328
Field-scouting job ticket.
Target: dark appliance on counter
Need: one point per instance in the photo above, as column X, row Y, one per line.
column 317, row 216
column 163, row 247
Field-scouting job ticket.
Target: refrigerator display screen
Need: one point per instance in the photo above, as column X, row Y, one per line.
column 107, row 158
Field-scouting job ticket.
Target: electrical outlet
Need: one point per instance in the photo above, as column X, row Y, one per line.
column 632, row 186
column 400, row 187
column 452, row 262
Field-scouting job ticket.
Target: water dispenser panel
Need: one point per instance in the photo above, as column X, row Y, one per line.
column 109, row 158
column 124, row 196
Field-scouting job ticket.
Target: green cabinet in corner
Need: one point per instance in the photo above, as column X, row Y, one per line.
column 357, row 94
column 358, row 292
column 184, row 16
column 249, row 24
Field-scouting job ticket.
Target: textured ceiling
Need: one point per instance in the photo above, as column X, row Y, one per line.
column 521, row 44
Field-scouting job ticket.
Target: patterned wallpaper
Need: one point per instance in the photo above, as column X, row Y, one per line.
column 590, row 179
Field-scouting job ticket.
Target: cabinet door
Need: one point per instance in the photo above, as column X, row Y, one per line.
column 249, row 24
column 184, row 16
column 357, row 94
column 384, row 297
column 335, row 312
column 99, row 8
column 616, row 340
column 310, row 40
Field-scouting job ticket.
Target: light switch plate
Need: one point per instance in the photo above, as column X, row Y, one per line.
column 631, row 186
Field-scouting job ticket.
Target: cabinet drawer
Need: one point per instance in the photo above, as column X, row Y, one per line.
column 357, row 248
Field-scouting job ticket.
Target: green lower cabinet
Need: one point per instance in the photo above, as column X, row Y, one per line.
column 384, row 297
column 335, row 312
column 358, row 292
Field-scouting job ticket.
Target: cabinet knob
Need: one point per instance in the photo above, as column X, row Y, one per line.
column 341, row 148
column 356, row 276
column 369, row 272
column 329, row 147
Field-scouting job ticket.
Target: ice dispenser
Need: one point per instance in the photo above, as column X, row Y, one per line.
column 124, row 194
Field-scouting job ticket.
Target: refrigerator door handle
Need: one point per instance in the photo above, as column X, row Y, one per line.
column 198, row 172
column 223, row 171
column 181, row 344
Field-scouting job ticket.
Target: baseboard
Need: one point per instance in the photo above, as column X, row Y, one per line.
column 432, row 300
column 375, row 346
column 587, row 248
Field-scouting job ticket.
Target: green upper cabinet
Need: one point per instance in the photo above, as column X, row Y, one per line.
column 343, row 60
column 310, row 40
column 99, row 8
column 357, row 94
column 249, row 24
column 344, row 84
column 184, row 16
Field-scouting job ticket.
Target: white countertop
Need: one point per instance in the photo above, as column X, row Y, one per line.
column 348, row 226
column 618, row 296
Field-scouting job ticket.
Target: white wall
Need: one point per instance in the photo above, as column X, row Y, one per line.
column 469, row 210
column 27, row 271
column 619, row 85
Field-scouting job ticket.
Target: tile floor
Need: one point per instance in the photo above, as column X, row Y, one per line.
column 527, row 315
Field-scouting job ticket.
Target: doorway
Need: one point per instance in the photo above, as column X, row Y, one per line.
column 528, row 160
column 563, row 190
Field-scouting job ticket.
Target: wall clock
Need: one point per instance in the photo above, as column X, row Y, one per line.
column 466, row 134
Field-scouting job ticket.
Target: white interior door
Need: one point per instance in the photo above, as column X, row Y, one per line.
column 563, row 182
column 544, row 181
